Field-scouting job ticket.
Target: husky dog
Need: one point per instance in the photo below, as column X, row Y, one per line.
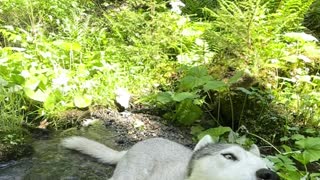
column 161, row 159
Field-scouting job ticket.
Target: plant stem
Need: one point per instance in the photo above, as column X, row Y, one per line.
column 242, row 110
column 232, row 113
column 259, row 137
column 219, row 103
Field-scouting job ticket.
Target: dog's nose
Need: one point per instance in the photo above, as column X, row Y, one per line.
column 266, row 174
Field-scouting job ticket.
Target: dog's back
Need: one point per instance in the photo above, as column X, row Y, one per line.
column 160, row 158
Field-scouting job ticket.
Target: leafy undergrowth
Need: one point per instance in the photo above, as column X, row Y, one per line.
column 237, row 64
column 76, row 57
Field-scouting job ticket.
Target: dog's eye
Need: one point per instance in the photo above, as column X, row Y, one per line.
column 230, row 156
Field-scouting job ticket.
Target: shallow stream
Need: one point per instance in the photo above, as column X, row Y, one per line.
column 51, row 161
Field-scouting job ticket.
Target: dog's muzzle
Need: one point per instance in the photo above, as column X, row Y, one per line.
column 266, row 174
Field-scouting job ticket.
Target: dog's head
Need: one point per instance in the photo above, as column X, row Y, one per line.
column 227, row 162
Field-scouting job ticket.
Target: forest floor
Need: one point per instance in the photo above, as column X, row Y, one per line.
column 132, row 127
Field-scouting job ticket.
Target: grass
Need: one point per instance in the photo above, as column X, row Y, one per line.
column 11, row 110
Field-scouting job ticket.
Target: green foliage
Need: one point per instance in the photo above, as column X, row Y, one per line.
column 304, row 152
column 68, row 58
column 312, row 18
column 298, row 81
column 13, row 139
column 244, row 27
column 265, row 40
column 192, row 90
column 11, row 115
column 223, row 134
column 10, row 107
column 215, row 133
column 255, row 39
column 194, row 7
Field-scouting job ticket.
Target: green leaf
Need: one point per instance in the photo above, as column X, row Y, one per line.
column 68, row 46
column 37, row 95
column 311, row 146
column 214, row 86
column 282, row 162
column 215, row 132
column 310, row 131
column 301, row 158
column 284, row 138
column 297, row 137
column 242, row 140
column 17, row 79
column 196, row 129
column 3, row 82
column 82, row 101
column 286, row 148
column 235, row 77
column 291, row 58
column 244, row 90
column 198, row 71
column 315, row 175
column 164, row 97
column 32, row 84
column 190, row 82
column 187, row 112
column 184, row 95
column 51, row 101
column 298, row 36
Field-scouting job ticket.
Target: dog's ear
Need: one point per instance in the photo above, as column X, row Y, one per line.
column 203, row 141
column 254, row 150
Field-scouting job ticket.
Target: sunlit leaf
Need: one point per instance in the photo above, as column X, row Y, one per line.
column 297, row 137
column 184, row 95
column 286, row 148
column 37, row 95
column 235, row 77
column 215, row 132
column 214, row 85
column 164, row 97
column 3, row 82
column 32, row 84
column 198, row 71
column 300, row 36
column 68, row 46
column 244, row 90
column 190, row 82
column 82, row 101
column 311, row 149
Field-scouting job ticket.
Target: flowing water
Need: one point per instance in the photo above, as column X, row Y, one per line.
column 51, row 161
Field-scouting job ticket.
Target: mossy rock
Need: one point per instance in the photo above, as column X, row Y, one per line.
column 12, row 152
column 14, row 144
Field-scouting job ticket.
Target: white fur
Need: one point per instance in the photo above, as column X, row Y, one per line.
column 254, row 150
column 94, row 149
column 220, row 168
column 203, row 141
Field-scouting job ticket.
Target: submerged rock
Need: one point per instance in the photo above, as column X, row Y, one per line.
column 14, row 151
